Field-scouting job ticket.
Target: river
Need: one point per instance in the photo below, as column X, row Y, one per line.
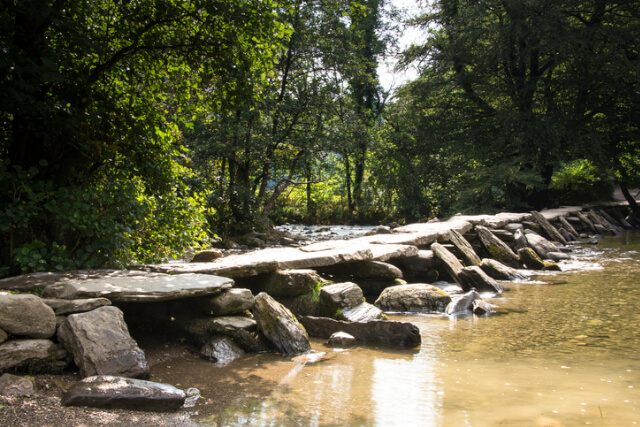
column 563, row 350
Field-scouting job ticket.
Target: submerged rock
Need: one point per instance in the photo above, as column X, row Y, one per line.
column 100, row 343
column 341, row 340
column 279, row 325
column 480, row 307
column 382, row 332
column 26, row 315
column 222, row 350
column 418, row 297
column 113, row 392
column 463, row 302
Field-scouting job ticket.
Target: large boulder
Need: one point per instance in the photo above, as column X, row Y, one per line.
column 474, row 278
column 222, row 350
column 279, row 325
column 499, row 271
column 100, row 343
column 539, row 244
column 26, row 315
column 291, row 283
column 71, row 306
column 230, row 301
column 380, row 332
column 497, row 248
column 339, row 297
column 531, row 259
column 417, row 297
column 113, row 392
column 18, row 353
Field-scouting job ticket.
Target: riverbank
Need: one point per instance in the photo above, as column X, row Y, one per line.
column 406, row 243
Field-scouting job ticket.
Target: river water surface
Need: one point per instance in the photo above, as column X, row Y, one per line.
column 563, row 350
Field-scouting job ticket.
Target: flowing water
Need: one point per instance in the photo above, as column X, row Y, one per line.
column 563, row 350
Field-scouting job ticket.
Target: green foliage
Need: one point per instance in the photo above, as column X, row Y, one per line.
column 577, row 172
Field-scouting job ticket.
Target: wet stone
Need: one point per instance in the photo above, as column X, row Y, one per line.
column 113, row 392
column 222, row 350
column 341, row 340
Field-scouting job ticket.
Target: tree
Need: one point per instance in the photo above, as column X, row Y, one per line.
column 91, row 96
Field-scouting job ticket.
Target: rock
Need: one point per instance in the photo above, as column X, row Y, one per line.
column 3, row 336
column 361, row 313
column 229, row 324
column 291, row 283
column 417, row 297
column 551, row 231
column 382, row 229
column 70, row 306
column 519, row 239
column 469, row 256
column 568, row 237
column 13, row 385
column 531, row 259
column 504, row 235
column 586, row 221
column 539, row 244
column 200, row 330
column 499, row 271
column 207, row 256
column 33, row 281
column 113, row 392
column 310, row 358
column 609, row 218
column 364, row 270
column 551, row 266
column 159, row 287
column 26, row 315
column 340, row 296
column 229, row 301
column 373, row 288
column 512, row 227
column 567, row 226
column 222, row 350
column 193, row 394
column 480, row 307
column 473, row 277
column 341, row 340
column 380, row 332
column 530, row 225
column 279, row 325
column 18, row 353
column 463, row 303
column 449, row 262
column 418, row 268
column 558, row 256
column 100, row 343
column 497, row 248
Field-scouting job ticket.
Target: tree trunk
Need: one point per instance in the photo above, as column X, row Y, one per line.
column 630, row 199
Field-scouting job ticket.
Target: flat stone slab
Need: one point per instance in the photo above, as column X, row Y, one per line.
column 140, row 288
column 31, row 281
column 267, row 260
column 552, row 214
column 493, row 221
column 420, row 234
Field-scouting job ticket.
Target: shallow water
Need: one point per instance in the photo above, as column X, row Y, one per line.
column 561, row 353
